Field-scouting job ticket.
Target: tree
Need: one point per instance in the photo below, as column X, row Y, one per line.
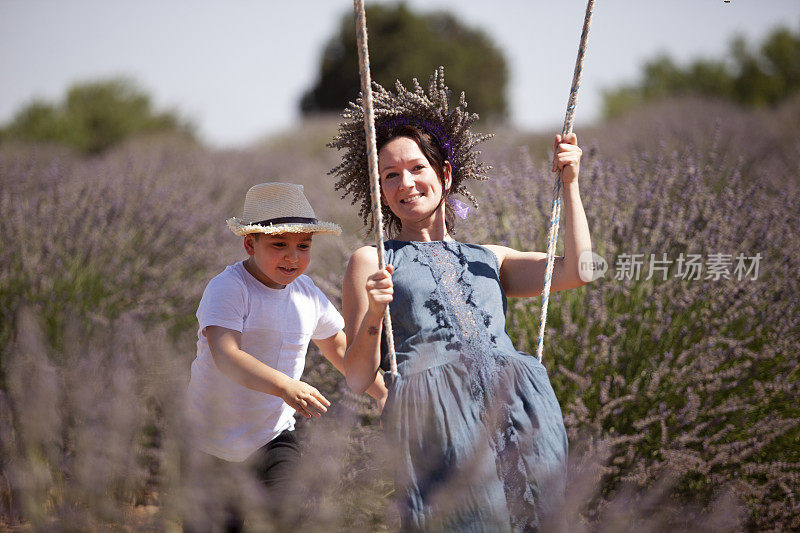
column 93, row 116
column 405, row 45
column 754, row 78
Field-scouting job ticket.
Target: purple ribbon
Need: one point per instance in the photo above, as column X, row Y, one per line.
column 434, row 128
column 459, row 208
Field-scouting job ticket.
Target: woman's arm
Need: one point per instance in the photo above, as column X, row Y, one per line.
column 246, row 370
column 333, row 349
column 522, row 273
column 366, row 291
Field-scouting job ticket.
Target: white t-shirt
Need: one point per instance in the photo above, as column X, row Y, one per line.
column 276, row 327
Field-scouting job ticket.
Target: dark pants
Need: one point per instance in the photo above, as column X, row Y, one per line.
column 274, row 465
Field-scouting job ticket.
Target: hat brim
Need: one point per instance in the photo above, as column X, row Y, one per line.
column 320, row 228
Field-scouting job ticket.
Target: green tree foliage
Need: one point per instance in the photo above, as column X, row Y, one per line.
column 764, row 76
column 405, row 45
column 93, row 116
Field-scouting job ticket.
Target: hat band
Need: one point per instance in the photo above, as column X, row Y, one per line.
column 285, row 220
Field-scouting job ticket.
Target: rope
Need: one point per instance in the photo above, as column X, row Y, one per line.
column 372, row 158
column 555, row 216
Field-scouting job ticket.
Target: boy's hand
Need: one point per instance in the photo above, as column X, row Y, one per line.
column 304, row 398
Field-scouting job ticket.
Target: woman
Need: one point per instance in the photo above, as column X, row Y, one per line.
column 477, row 428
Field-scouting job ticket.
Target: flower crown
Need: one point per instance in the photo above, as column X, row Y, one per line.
column 430, row 112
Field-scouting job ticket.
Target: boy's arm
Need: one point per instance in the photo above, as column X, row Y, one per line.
column 231, row 360
column 333, row 349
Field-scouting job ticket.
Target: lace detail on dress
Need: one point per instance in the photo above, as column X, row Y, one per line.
column 454, row 309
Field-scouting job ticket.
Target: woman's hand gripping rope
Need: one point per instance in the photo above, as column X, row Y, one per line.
column 380, row 291
column 567, row 157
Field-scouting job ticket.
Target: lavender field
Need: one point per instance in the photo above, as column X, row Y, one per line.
column 678, row 382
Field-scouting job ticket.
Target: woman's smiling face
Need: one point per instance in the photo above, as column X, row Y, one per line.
column 409, row 184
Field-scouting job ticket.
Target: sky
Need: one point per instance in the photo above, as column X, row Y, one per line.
column 237, row 68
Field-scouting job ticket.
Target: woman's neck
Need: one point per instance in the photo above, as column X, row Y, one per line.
column 423, row 232
column 431, row 228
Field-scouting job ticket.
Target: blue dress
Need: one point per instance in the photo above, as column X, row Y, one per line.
column 474, row 424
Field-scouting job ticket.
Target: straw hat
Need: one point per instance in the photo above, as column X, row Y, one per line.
column 273, row 208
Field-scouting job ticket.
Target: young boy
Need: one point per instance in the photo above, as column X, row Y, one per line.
column 256, row 319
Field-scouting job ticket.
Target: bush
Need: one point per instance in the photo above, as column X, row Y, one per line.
column 761, row 76
column 473, row 62
column 94, row 116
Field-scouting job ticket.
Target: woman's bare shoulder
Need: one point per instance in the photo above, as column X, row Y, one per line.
column 363, row 258
column 499, row 251
column 365, row 253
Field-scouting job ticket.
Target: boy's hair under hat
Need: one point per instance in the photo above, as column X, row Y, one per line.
column 273, row 208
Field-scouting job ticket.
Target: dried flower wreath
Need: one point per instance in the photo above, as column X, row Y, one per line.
column 430, row 112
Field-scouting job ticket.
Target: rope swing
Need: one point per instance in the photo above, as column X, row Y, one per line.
column 555, row 215
column 372, row 159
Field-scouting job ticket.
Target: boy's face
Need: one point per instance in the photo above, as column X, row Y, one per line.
column 277, row 260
